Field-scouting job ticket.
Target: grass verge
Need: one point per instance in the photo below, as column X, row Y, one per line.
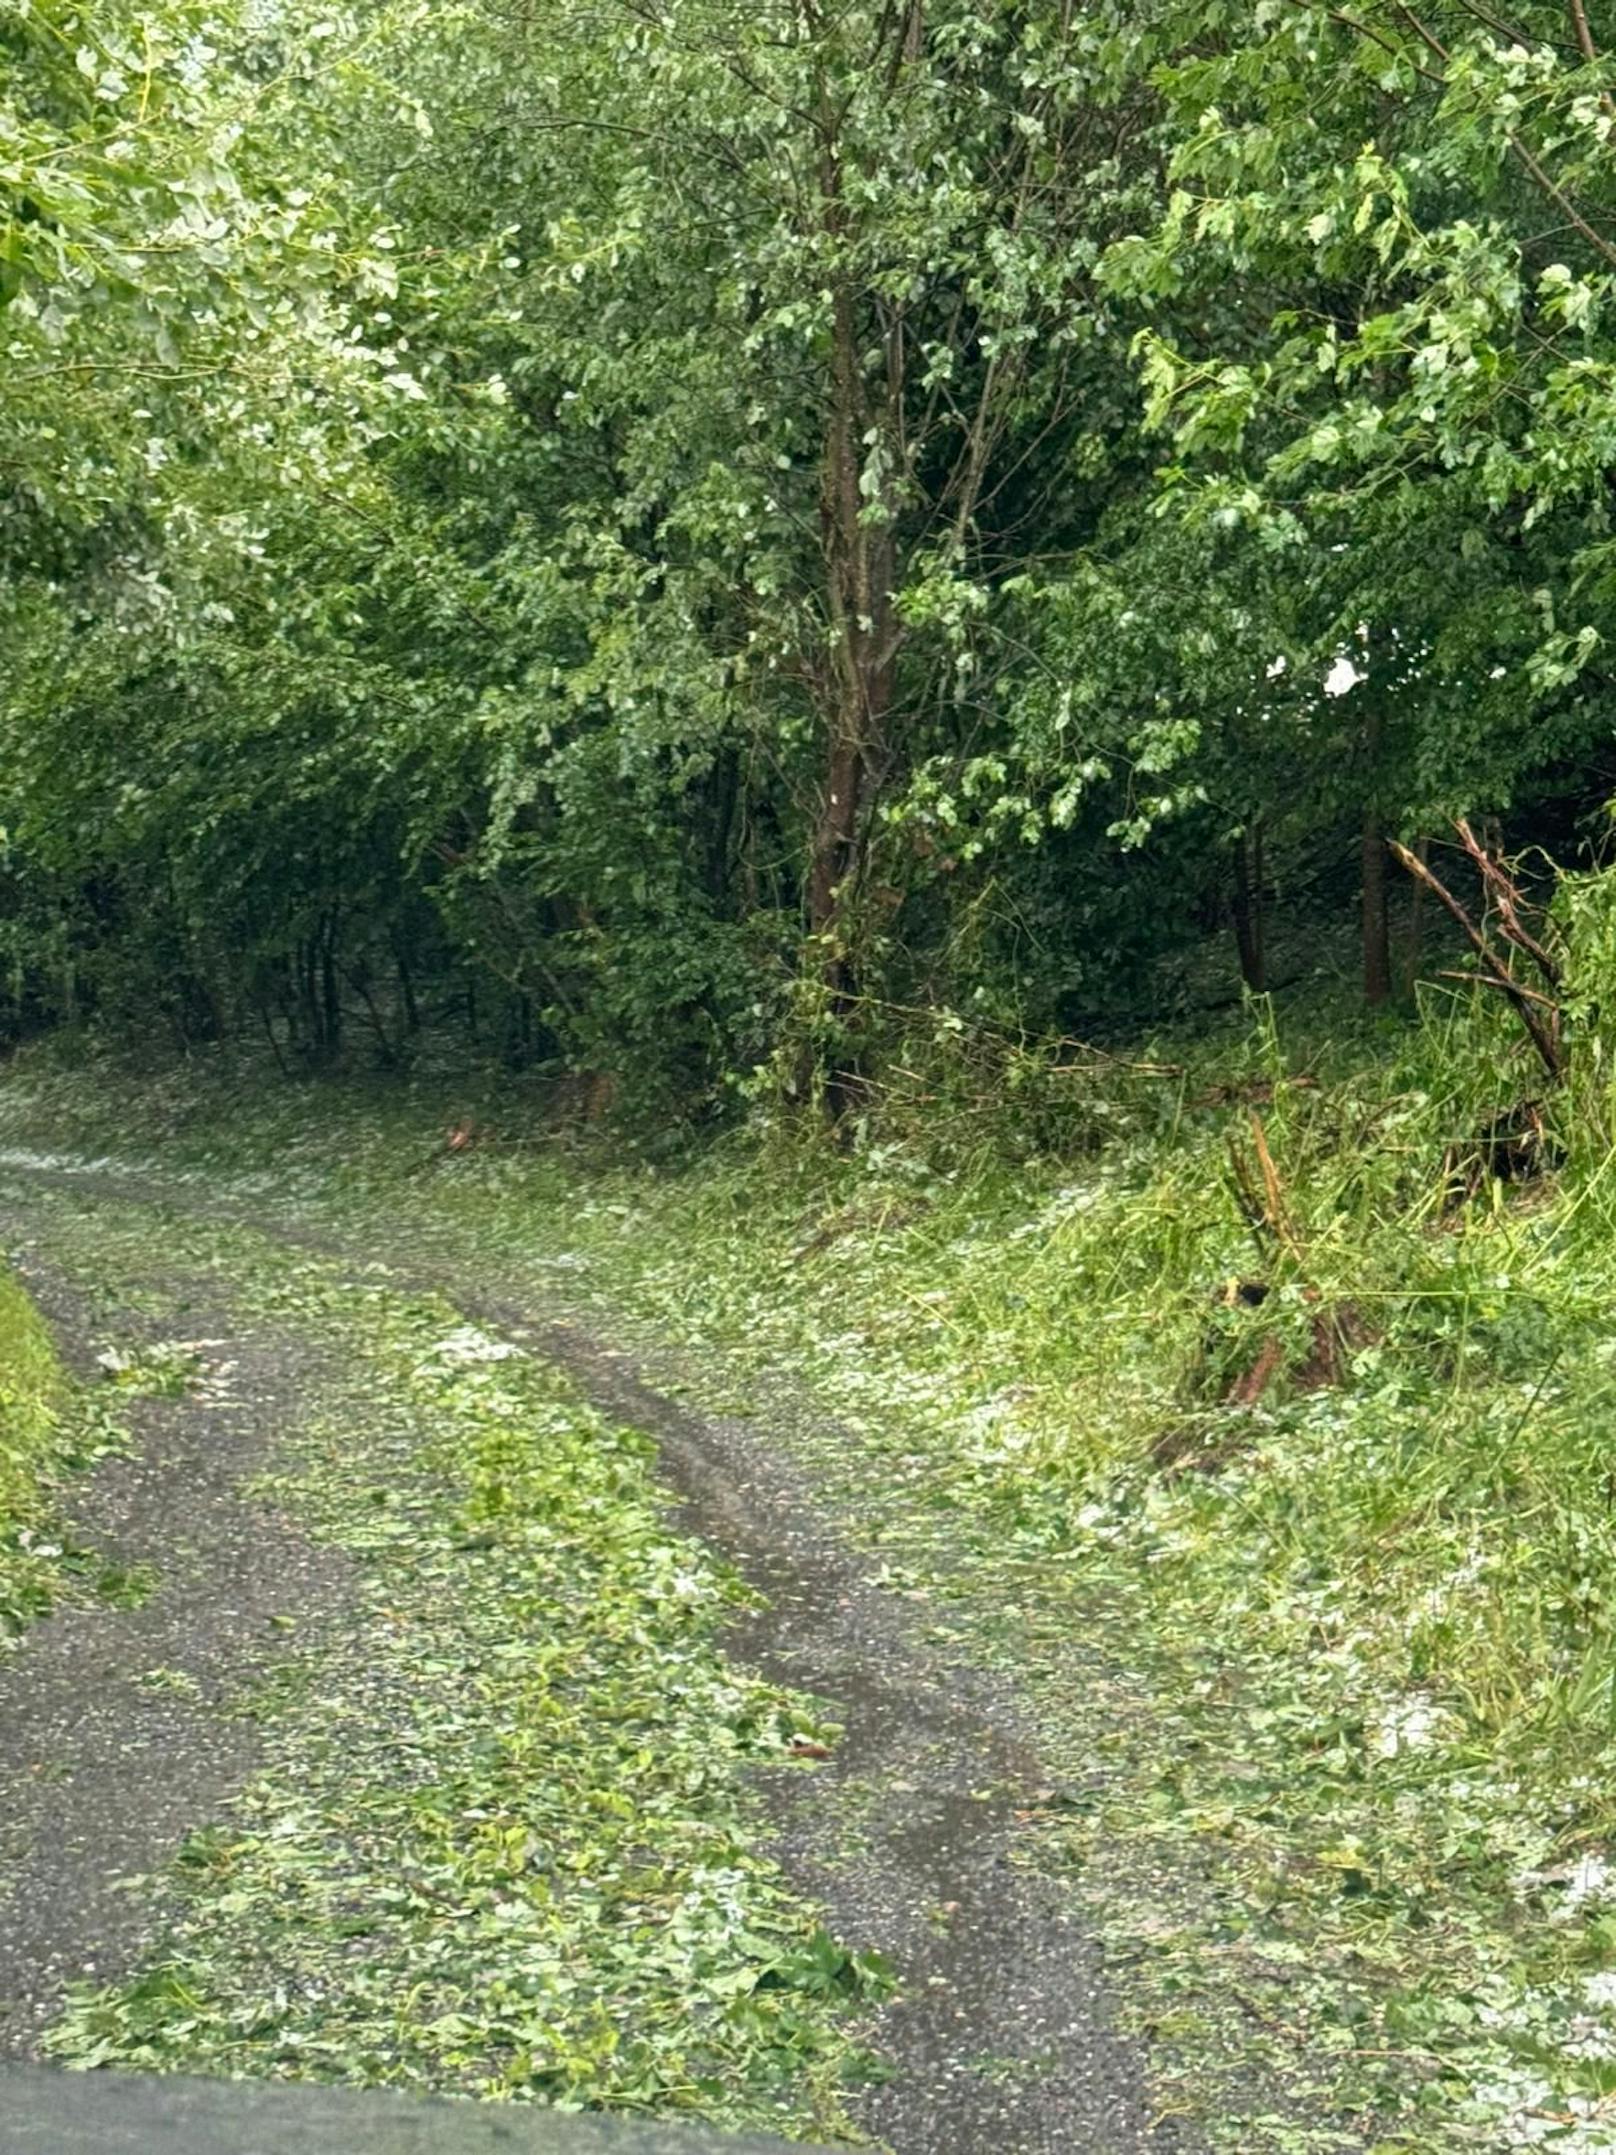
column 43, row 1437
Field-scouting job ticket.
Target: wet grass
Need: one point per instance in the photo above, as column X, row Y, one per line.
column 1327, row 1675
column 48, row 1431
column 31, row 1386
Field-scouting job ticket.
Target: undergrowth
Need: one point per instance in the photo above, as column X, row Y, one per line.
column 1334, row 1657
column 45, row 1433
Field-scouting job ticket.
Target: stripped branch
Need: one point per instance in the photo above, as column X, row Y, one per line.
column 1506, row 902
column 1260, row 1194
column 1542, row 1030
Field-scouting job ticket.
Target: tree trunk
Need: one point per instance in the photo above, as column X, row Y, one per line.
column 406, row 981
column 1377, row 954
column 1248, row 909
column 836, row 840
column 330, row 991
column 720, row 819
column 1377, row 961
column 856, row 685
column 858, row 559
column 1416, row 916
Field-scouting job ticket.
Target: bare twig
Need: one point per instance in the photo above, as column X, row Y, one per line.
column 1274, row 1195
column 1506, row 899
column 1544, row 1033
column 1491, row 980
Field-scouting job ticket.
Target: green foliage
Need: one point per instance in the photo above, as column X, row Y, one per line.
column 560, row 1895
column 1374, row 328
column 622, row 537
column 31, row 1447
column 49, row 1430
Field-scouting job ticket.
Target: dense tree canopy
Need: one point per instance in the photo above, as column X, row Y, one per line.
column 660, row 532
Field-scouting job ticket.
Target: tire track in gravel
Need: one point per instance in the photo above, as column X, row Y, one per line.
column 1002, row 2041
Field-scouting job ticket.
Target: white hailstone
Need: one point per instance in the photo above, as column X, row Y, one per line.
column 1413, row 1725
column 467, row 1344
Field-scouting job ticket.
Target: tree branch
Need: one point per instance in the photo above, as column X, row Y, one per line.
column 1542, row 1033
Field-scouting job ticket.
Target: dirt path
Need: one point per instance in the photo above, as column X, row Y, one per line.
column 1000, row 2043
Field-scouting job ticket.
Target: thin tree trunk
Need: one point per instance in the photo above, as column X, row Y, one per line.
column 836, row 838
column 330, row 990
column 406, row 982
column 1377, row 962
column 1416, row 916
column 1248, row 909
column 1377, row 956
column 262, row 1007
column 359, row 979
column 857, row 691
column 308, row 997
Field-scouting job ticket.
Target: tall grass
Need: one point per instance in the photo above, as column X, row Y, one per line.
column 31, row 1401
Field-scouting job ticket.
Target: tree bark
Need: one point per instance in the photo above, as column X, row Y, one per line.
column 1416, row 918
column 1377, row 954
column 330, row 990
column 1248, row 909
column 406, row 981
column 857, row 684
column 1377, row 960
column 858, row 589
